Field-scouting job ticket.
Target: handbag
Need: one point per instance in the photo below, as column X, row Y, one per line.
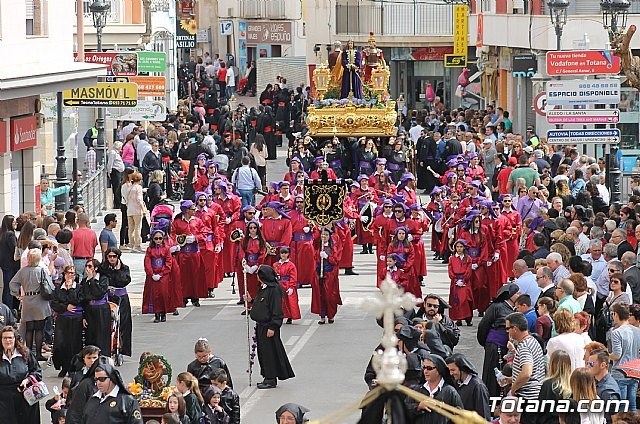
column 36, row 391
column 46, row 286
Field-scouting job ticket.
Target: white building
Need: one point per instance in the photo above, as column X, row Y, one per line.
column 36, row 41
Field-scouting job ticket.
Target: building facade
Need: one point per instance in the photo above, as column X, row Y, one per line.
column 39, row 36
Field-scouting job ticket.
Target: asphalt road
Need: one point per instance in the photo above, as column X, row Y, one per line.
column 329, row 361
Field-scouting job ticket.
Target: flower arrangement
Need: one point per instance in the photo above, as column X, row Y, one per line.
column 357, row 103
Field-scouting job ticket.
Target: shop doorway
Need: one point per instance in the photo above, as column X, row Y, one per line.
column 418, row 91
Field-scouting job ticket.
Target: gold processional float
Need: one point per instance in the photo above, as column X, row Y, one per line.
column 365, row 109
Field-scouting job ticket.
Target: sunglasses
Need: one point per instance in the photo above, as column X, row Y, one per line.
column 388, row 207
column 250, row 213
column 399, row 211
column 101, row 379
column 429, row 368
column 192, row 209
column 158, row 239
column 433, row 305
column 113, row 256
column 591, row 364
column 509, row 328
column 202, row 200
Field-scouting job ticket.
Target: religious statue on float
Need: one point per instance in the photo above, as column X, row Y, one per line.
column 373, row 58
column 351, row 60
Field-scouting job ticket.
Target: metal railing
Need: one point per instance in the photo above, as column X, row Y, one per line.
column 92, row 194
column 403, row 17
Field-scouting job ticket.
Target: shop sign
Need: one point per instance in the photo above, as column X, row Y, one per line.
column 186, row 31
column 268, row 33
column 24, row 133
column 125, row 64
column 117, row 94
column 525, row 65
column 150, row 86
column 460, row 29
column 431, row 53
column 186, row 8
column 583, row 92
column 582, row 62
column 455, row 60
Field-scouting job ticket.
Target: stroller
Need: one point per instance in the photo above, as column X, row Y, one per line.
column 116, row 340
column 162, row 210
column 178, row 180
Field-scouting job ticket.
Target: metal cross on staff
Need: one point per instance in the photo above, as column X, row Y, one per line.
column 390, row 364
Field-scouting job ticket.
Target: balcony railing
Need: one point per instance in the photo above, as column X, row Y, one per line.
column 405, row 17
column 263, row 9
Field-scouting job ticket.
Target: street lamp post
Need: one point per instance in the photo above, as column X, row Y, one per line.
column 614, row 20
column 62, row 201
column 558, row 12
column 614, row 16
column 100, row 9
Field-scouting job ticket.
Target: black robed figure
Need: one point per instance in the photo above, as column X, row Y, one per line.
column 268, row 315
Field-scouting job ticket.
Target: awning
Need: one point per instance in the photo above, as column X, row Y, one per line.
column 27, row 79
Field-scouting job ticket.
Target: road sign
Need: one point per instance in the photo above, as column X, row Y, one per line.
column 455, row 61
column 582, row 62
column 583, row 92
column 107, row 94
column 540, row 103
column 150, row 86
column 608, row 136
column 146, row 110
column 583, row 116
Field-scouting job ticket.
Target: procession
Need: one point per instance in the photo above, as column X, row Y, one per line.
column 326, row 255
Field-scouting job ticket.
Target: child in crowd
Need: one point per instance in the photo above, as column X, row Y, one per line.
column 187, row 385
column 57, row 404
column 212, row 410
column 229, row 400
column 205, row 364
column 289, row 283
column 460, row 293
column 177, row 406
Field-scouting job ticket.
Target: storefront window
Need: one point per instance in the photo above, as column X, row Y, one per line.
column 629, row 118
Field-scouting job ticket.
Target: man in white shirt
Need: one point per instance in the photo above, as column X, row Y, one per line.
column 142, row 148
column 231, row 81
column 415, row 131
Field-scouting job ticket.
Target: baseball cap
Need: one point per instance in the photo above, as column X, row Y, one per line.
column 512, row 161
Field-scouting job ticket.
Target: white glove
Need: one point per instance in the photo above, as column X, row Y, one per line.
column 489, row 263
column 156, row 277
column 409, row 237
column 364, row 219
column 190, row 239
column 496, row 257
column 383, row 258
column 254, row 269
column 247, row 269
column 228, row 220
column 460, row 283
column 289, row 291
column 217, row 249
column 306, row 229
column 174, row 249
column 474, row 266
column 324, row 255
